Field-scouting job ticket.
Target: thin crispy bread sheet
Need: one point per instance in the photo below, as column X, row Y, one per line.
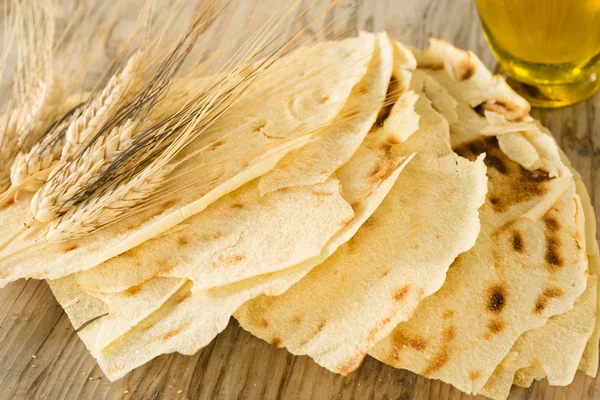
column 240, row 231
column 368, row 178
column 400, row 256
column 332, row 147
column 247, row 141
column 118, row 274
column 220, row 245
column 589, row 360
column 529, row 261
column 552, row 351
column 190, row 320
column 520, row 273
column 532, row 145
column 80, row 308
column 569, row 340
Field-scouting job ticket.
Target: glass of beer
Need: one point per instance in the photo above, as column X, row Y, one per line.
column 550, row 49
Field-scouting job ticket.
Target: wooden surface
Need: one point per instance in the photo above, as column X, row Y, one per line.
column 41, row 356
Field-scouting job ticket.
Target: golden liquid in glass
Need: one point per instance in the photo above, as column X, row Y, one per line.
column 551, row 48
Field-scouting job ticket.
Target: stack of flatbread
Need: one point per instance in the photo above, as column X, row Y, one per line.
column 426, row 220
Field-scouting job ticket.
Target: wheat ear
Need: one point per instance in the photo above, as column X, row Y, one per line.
column 65, row 184
column 23, row 127
column 105, row 206
column 72, row 131
column 99, row 108
column 7, row 148
column 56, row 195
column 40, row 112
column 43, row 155
column 101, row 210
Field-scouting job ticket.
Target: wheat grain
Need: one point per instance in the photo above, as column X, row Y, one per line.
column 71, row 132
column 101, row 210
column 23, row 127
column 44, row 155
column 100, row 107
column 40, row 112
column 56, row 196
column 7, row 148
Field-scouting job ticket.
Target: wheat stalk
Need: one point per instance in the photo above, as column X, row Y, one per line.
column 60, row 192
column 36, row 90
column 96, row 211
column 70, row 216
column 72, row 202
column 149, row 142
column 71, row 132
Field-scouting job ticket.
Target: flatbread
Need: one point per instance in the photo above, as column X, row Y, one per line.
column 552, row 351
column 377, row 279
column 332, row 146
column 539, row 262
column 240, row 232
column 589, row 361
column 80, row 308
column 397, row 258
column 131, row 301
column 220, row 245
column 190, row 320
column 467, row 79
column 564, row 336
column 530, row 247
column 269, row 121
column 401, row 121
column 192, row 263
column 571, row 345
column 366, row 179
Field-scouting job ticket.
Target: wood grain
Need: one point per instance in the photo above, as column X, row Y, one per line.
column 235, row 364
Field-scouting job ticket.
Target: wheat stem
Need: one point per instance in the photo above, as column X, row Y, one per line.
column 13, row 191
column 80, row 198
column 13, row 237
column 58, row 195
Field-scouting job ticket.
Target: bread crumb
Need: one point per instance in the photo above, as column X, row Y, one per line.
column 179, row 391
column 32, row 366
column 126, row 392
column 34, row 356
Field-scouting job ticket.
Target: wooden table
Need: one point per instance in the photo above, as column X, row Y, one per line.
column 41, row 356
